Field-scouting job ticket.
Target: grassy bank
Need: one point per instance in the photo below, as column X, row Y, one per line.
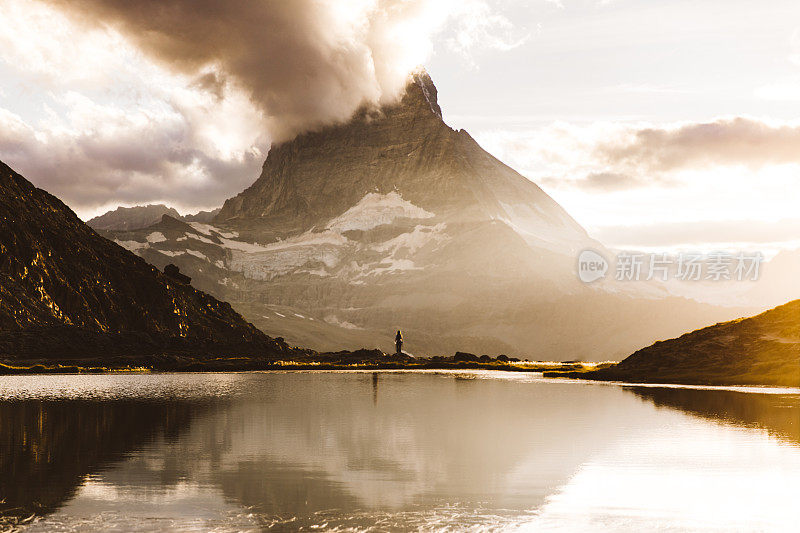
column 359, row 360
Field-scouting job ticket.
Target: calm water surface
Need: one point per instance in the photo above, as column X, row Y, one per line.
column 392, row 450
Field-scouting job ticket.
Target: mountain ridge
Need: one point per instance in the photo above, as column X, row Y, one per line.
column 60, row 280
column 759, row 350
column 143, row 216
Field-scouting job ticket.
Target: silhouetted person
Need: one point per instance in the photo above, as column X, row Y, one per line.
column 398, row 341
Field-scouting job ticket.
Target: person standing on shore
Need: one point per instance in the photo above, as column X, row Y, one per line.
column 398, row 341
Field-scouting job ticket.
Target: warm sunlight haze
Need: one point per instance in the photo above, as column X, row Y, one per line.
column 399, row 265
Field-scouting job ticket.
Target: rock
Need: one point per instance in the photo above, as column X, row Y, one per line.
column 205, row 217
column 465, row 357
column 174, row 272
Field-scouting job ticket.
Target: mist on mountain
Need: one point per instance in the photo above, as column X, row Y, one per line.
column 394, row 220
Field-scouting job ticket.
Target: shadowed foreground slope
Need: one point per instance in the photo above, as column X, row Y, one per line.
column 67, row 292
column 764, row 350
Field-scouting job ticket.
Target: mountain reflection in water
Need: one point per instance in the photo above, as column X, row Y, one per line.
column 302, row 449
column 778, row 414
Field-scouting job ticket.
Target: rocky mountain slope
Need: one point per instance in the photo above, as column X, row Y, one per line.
column 764, row 349
column 131, row 218
column 67, row 292
column 400, row 162
column 394, row 220
column 142, row 216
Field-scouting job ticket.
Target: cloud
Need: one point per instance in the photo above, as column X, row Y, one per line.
column 606, row 157
column 599, row 182
column 726, row 183
column 304, row 63
column 105, row 102
column 724, row 142
column 101, row 154
column 211, row 82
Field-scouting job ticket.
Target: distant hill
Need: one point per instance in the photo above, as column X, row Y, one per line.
column 131, row 218
column 65, row 291
column 763, row 350
column 206, row 217
column 142, row 216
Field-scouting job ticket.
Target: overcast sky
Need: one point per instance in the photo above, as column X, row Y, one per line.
column 655, row 124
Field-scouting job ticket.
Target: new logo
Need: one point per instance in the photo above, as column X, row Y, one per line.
column 591, row 266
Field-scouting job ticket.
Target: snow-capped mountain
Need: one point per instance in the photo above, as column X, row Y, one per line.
column 394, row 220
column 406, row 159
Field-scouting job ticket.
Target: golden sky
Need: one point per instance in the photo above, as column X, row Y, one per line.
column 655, row 124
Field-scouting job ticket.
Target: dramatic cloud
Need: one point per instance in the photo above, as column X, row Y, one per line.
column 105, row 102
column 600, row 182
column 613, row 157
column 641, row 185
column 736, row 141
column 102, row 153
column 304, row 63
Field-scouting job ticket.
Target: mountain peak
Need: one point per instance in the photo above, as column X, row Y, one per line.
column 404, row 148
column 423, row 81
column 130, row 218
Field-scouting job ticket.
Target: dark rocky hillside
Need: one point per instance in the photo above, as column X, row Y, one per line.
column 764, row 350
column 67, row 292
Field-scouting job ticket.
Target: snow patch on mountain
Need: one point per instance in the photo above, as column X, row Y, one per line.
column 413, row 240
column 200, row 238
column 197, row 254
column 266, row 265
column 376, row 209
column 156, row 236
column 205, row 229
column 132, row 246
column 208, row 229
column 242, row 246
column 321, row 272
column 391, row 265
column 309, row 239
column 319, row 254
